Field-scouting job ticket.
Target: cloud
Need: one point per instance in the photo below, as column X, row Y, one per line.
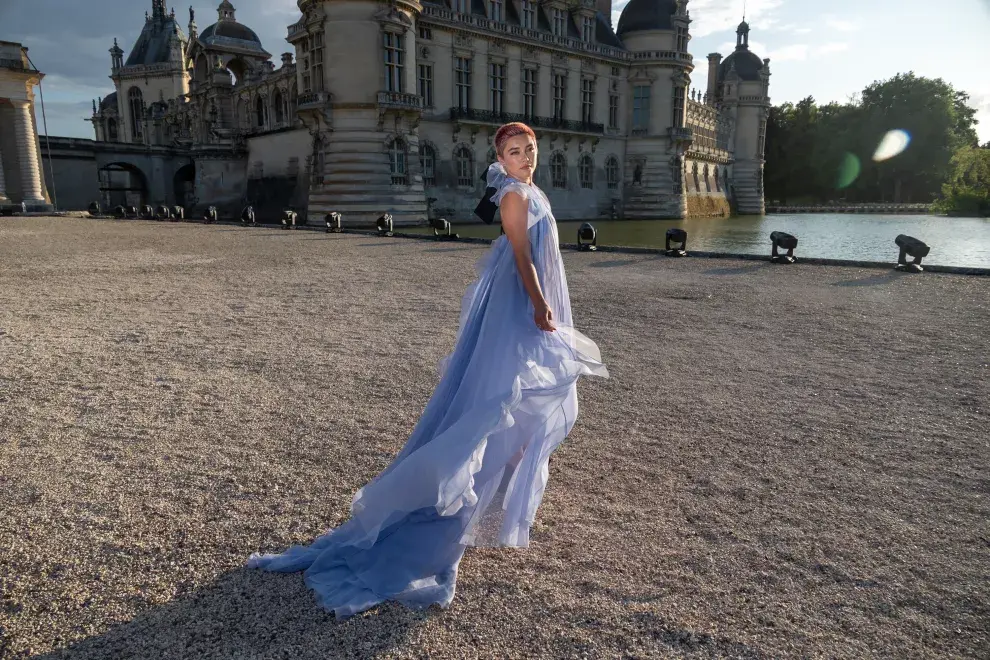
column 842, row 25
column 793, row 52
column 833, row 47
column 711, row 16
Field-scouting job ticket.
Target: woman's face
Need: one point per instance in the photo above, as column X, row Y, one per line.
column 519, row 157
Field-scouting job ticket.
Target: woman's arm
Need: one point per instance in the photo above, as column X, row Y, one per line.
column 515, row 221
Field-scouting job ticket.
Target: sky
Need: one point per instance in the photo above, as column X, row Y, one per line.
column 828, row 50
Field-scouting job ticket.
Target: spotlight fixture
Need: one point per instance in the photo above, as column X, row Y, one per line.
column 94, row 209
column 333, row 221
column 132, row 212
column 162, row 213
column 441, row 229
column 288, row 219
column 147, row 212
column 247, row 216
column 782, row 241
column 210, row 215
column 678, row 236
column 587, row 237
column 119, row 212
column 910, row 247
column 178, row 213
column 385, row 225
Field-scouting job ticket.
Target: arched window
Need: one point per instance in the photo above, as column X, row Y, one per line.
column 259, row 111
column 638, row 174
column 136, row 104
column 279, row 107
column 112, row 130
column 586, row 169
column 612, row 172
column 718, row 182
column 397, row 162
column 465, row 166
column 558, row 170
column 428, row 163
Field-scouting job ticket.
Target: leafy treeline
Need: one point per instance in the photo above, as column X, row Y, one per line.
column 825, row 153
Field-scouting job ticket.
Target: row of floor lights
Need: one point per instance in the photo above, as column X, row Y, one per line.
column 675, row 244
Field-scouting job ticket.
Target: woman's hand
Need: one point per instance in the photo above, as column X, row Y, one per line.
column 544, row 318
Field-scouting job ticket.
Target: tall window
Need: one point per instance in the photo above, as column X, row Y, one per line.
column 393, row 62
column 316, row 58
column 558, row 170
column 259, row 112
column 279, row 107
column 426, row 84
column 612, row 172
column 496, row 10
column 529, row 14
column 428, row 163
column 678, row 118
column 641, row 107
column 559, row 22
column 586, row 169
column 425, row 33
column 497, row 86
column 529, row 93
column 588, row 29
column 112, row 130
column 677, row 176
column 587, row 100
column 462, row 79
column 465, row 166
column 136, row 103
column 682, row 39
column 762, row 136
column 613, row 110
column 307, row 74
column 460, row 6
column 718, row 181
column 397, row 162
column 559, row 95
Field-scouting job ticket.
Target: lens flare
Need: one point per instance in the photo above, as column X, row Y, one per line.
column 892, row 144
column 849, row 170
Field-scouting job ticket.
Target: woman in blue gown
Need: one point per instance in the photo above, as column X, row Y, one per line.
column 474, row 469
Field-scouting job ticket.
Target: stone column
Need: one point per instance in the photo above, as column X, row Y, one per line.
column 3, row 185
column 27, row 153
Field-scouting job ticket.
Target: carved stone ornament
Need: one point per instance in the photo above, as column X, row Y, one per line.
column 559, row 60
column 530, row 53
column 496, row 47
column 424, row 53
column 681, row 79
column 391, row 17
column 463, row 41
column 589, row 65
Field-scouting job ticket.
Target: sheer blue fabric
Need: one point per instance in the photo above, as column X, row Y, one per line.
column 474, row 470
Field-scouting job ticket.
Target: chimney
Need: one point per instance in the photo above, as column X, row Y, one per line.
column 286, row 59
column 714, row 59
column 605, row 7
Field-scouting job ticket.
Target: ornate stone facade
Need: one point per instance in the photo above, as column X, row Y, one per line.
column 393, row 107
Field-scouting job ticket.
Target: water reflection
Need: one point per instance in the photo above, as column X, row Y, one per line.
column 869, row 237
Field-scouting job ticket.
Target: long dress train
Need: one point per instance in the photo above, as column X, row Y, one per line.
column 474, row 469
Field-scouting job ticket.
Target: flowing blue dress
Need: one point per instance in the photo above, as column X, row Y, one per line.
column 474, row 469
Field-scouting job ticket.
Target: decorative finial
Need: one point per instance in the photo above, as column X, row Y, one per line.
column 94, row 106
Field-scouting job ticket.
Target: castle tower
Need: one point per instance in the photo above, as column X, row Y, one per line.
column 743, row 83
column 142, row 79
column 654, row 179
column 364, row 117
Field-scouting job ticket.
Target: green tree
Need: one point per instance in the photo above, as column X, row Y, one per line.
column 967, row 192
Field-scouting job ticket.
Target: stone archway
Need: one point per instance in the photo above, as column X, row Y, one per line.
column 122, row 184
column 184, row 185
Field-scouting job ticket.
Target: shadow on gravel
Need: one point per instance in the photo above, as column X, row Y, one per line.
column 874, row 280
column 736, row 270
column 612, row 264
column 250, row 614
column 452, row 249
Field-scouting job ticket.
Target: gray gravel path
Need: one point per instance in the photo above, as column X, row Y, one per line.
column 786, row 462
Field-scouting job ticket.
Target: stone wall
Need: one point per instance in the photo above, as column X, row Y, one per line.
column 277, row 177
column 77, row 181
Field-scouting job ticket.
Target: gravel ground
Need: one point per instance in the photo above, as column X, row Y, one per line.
column 787, row 461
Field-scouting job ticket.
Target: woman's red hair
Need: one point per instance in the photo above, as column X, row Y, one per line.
column 506, row 131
